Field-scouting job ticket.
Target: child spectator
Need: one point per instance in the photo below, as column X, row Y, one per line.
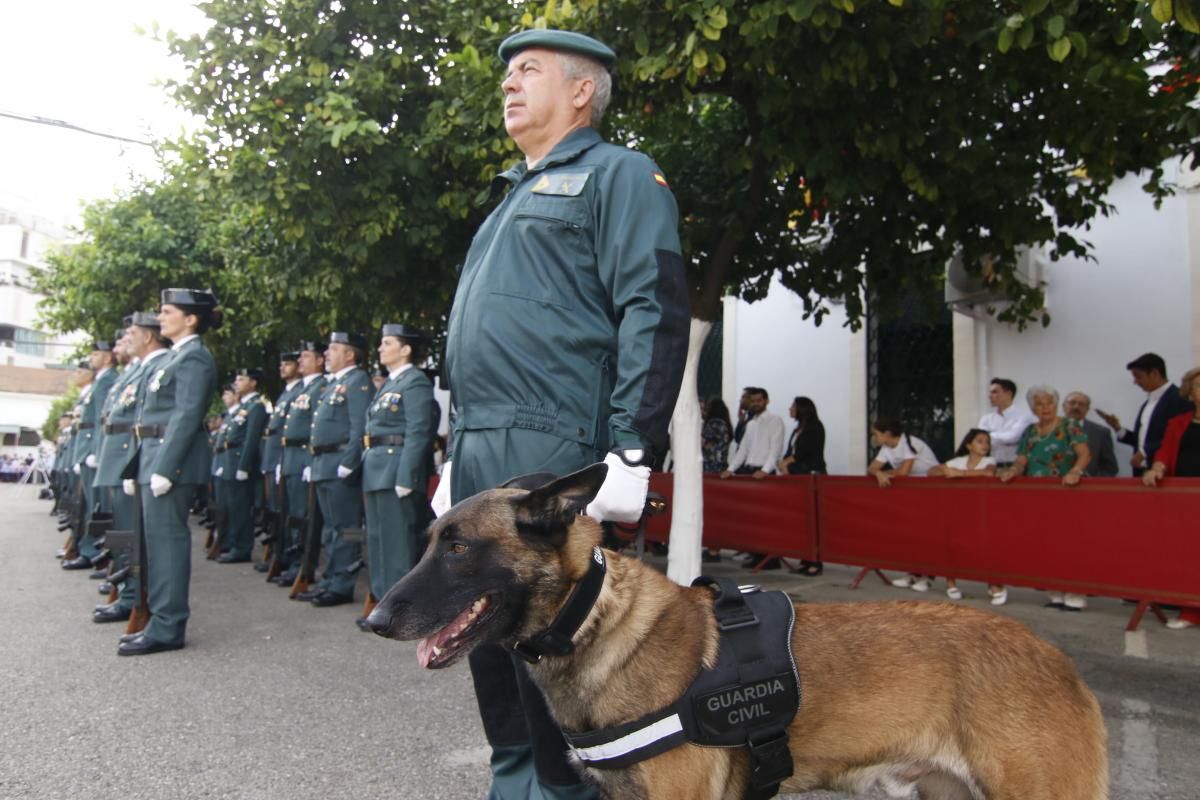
column 900, row 454
column 972, row 459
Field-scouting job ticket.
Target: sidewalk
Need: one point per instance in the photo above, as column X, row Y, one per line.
column 276, row 699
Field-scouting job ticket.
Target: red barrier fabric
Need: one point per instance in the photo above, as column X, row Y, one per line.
column 1107, row 536
column 775, row 515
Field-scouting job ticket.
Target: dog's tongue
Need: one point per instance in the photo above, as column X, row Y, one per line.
column 437, row 641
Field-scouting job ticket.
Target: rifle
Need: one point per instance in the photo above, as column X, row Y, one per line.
column 269, row 524
column 75, row 523
column 312, row 544
column 214, row 544
column 279, row 530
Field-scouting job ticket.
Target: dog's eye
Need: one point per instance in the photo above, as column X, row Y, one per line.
column 458, row 548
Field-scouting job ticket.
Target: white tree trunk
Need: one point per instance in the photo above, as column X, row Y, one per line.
column 687, row 504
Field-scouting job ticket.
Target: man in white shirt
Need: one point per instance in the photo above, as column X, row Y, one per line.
column 762, row 445
column 1006, row 422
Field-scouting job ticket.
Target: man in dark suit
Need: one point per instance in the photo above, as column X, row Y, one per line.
column 1100, row 440
column 1163, row 401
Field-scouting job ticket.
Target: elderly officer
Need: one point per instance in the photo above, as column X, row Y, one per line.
column 237, row 455
column 398, row 443
column 272, row 440
column 143, row 346
column 297, row 458
column 83, row 456
column 337, row 448
column 173, row 458
column 566, row 342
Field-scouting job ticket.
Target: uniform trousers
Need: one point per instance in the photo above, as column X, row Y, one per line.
column 341, row 507
column 237, row 497
column 169, row 562
column 87, row 544
column 529, row 754
column 394, row 527
column 125, row 518
column 296, row 496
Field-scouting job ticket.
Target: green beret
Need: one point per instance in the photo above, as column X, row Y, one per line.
column 563, row 41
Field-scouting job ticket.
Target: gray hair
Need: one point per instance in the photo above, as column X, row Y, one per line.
column 576, row 66
column 1042, row 389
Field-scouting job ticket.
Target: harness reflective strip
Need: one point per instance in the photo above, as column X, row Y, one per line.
column 643, row 737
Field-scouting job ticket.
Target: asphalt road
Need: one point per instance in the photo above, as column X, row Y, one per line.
column 276, row 699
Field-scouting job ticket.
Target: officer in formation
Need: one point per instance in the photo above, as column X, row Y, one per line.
column 272, row 454
column 236, row 460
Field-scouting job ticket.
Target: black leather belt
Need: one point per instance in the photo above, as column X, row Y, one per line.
column 120, row 427
column 370, row 441
column 149, row 431
column 221, row 448
column 295, row 442
column 83, row 426
column 321, row 449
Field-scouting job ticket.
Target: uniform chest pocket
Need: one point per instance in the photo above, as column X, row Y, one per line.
column 564, row 212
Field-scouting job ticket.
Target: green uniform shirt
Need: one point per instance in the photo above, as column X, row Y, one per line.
column 179, row 387
column 571, row 312
column 272, row 440
column 340, row 418
column 297, row 427
column 402, row 407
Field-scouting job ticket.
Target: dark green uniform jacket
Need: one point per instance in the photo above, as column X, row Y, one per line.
column 581, row 254
column 403, row 407
column 117, row 447
column 89, row 407
column 243, row 426
column 179, row 388
column 340, row 419
column 272, row 440
column 298, row 426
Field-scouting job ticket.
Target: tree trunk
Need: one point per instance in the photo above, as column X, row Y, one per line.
column 687, row 509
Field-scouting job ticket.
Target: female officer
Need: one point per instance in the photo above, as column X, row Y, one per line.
column 173, row 461
column 396, row 459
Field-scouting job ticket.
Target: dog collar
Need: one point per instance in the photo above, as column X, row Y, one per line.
column 555, row 640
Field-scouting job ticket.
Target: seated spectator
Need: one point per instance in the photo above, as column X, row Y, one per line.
column 972, row 459
column 1053, row 446
column 1179, row 456
column 715, row 438
column 805, row 455
column 1005, row 422
column 1100, row 440
column 900, row 454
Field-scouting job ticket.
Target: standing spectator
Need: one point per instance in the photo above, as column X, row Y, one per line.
column 1179, row 456
column 1051, row 447
column 744, row 414
column 762, row 445
column 1005, row 422
column 1163, row 401
column 972, row 459
column 805, row 455
column 716, row 435
column 900, row 454
column 1100, row 441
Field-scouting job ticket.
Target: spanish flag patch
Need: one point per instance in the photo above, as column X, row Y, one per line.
column 658, row 176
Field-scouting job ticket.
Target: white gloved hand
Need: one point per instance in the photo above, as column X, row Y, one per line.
column 441, row 495
column 622, row 496
column 241, row 475
column 306, row 475
column 220, row 471
column 90, row 461
column 278, row 473
column 129, row 486
column 403, row 492
column 75, row 469
column 159, row 485
column 344, row 472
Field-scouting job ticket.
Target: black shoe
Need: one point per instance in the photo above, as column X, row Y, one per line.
column 361, row 622
column 809, row 568
column 311, row 594
column 230, row 558
column 98, row 575
column 1072, row 609
column 114, row 614
column 144, row 647
column 264, row 567
column 77, row 563
column 327, row 599
column 1054, row 604
column 129, row 637
column 105, row 587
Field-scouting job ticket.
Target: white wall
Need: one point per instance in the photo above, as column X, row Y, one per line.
column 26, row 410
column 770, row 344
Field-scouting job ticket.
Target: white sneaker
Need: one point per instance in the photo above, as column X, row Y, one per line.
column 1000, row 597
column 954, row 593
column 903, row 583
column 921, row 585
column 1179, row 624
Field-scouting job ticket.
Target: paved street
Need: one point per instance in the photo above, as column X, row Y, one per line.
column 276, row 699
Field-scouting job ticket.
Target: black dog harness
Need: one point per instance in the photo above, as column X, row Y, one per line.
column 747, row 700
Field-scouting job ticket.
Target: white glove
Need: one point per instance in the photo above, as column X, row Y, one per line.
column 306, row 475
column 402, row 492
column 441, row 496
column 344, row 472
column 129, row 486
column 278, row 473
column 622, row 496
column 90, row 461
column 75, row 469
column 241, row 475
column 159, row 485
column 220, row 471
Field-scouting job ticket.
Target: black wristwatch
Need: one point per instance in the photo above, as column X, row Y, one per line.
column 634, row 457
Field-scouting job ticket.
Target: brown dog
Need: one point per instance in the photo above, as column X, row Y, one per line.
column 928, row 700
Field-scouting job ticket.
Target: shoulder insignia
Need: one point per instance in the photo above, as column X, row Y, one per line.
column 564, row 184
column 660, row 180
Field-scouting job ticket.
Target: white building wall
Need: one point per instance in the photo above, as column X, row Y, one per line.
column 26, row 410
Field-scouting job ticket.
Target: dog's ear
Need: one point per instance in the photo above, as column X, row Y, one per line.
column 555, row 504
column 532, row 480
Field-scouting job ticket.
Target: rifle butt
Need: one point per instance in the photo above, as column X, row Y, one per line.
column 139, row 618
column 300, row 586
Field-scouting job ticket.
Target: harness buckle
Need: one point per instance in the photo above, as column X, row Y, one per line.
column 526, row 652
column 771, row 762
